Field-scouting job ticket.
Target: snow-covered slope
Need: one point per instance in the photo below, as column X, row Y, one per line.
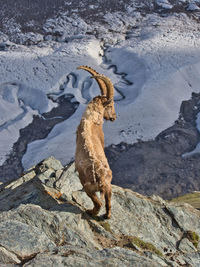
column 154, row 71
column 28, row 75
column 153, row 61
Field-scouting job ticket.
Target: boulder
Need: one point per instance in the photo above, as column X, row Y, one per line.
column 23, row 240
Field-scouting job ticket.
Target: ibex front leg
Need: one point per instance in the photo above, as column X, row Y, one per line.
column 108, row 194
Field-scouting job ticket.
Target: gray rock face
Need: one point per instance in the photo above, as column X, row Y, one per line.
column 186, row 246
column 23, row 240
column 43, row 223
column 7, row 256
column 71, row 256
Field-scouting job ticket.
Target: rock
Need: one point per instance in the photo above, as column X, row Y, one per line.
column 182, row 216
column 68, row 182
column 70, row 256
column 186, row 246
column 23, row 240
column 43, row 223
column 3, row 37
column 4, row 42
column 43, row 220
column 159, row 259
column 164, row 4
column 193, row 7
column 29, row 38
column 2, row 46
column 48, row 163
column 61, row 225
column 33, row 187
column 8, row 257
column 159, row 167
column 32, row 191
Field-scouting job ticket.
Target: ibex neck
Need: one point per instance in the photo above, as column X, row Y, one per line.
column 93, row 116
column 94, row 113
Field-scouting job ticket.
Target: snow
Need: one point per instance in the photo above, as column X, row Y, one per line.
column 164, row 4
column 164, row 70
column 154, row 69
column 28, row 75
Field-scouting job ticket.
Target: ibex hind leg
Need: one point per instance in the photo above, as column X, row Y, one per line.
column 97, row 203
column 108, row 193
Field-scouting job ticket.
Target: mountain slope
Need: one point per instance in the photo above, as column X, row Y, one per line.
column 43, row 221
column 151, row 52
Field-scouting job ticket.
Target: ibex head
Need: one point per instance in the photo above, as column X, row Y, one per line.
column 109, row 113
column 108, row 100
column 107, row 92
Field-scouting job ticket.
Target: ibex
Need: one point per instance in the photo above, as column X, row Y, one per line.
column 90, row 159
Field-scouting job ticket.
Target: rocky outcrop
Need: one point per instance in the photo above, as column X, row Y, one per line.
column 160, row 166
column 43, row 223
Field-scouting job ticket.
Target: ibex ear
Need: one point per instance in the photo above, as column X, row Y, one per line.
column 107, row 102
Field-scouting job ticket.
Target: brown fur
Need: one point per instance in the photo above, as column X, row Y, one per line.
column 90, row 160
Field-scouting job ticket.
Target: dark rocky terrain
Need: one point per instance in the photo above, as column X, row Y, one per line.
column 31, row 15
column 158, row 166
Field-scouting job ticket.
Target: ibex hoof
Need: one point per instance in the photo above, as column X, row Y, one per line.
column 107, row 216
column 91, row 212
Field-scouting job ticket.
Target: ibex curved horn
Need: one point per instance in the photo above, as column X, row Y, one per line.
column 108, row 83
column 101, row 83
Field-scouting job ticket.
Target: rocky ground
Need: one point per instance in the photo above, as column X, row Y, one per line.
column 23, row 16
column 158, row 166
column 43, row 223
column 28, row 14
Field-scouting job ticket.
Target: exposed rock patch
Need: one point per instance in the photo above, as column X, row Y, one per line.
column 24, row 21
column 43, row 221
column 158, row 166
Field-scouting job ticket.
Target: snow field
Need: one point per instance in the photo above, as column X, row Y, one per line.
column 153, row 71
